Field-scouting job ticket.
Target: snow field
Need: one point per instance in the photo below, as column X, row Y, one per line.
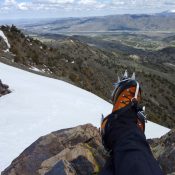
column 39, row 105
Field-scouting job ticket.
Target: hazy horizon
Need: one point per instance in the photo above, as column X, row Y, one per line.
column 46, row 9
column 48, row 18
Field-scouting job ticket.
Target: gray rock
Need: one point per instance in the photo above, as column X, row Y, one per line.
column 164, row 151
column 4, row 89
column 79, row 148
column 78, row 151
column 63, row 167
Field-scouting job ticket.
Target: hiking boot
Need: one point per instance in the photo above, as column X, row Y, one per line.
column 126, row 97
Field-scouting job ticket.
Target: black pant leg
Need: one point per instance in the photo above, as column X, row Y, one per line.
column 130, row 152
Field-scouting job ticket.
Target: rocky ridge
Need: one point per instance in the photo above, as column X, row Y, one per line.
column 78, row 151
column 67, row 152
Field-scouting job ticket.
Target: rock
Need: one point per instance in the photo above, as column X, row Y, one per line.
column 71, row 151
column 164, row 151
column 78, row 151
column 63, row 167
column 4, row 89
column 80, row 156
column 3, row 45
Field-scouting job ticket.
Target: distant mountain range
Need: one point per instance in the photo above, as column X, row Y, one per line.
column 168, row 12
column 164, row 21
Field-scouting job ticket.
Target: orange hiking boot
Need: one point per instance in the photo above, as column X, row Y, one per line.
column 127, row 94
column 126, row 91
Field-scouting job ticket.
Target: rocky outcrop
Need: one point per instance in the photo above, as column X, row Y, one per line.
column 78, row 151
column 3, row 45
column 75, row 151
column 164, row 151
column 4, row 89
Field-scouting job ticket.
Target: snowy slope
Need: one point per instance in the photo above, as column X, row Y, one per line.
column 40, row 105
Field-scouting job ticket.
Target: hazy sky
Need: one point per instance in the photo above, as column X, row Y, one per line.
column 75, row 8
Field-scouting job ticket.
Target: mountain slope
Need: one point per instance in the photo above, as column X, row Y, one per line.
column 39, row 105
column 156, row 22
column 95, row 69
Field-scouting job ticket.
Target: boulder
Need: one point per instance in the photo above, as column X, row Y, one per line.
column 63, row 167
column 4, row 89
column 71, row 151
column 3, row 45
column 79, row 151
column 164, row 151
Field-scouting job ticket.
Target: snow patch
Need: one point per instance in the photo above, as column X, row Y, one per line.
column 35, row 69
column 5, row 39
column 170, row 64
column 40, row 105
column 135, row 57
column 7, row 50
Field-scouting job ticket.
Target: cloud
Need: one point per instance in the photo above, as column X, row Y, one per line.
column 169, row 3
column 24, row 6
column 142, row 6
column 9, row 2
column 53, row 2
column 87, row 2
column 82, row 6
column 91, row 4
column 7, row 5
column 61, row 1
column 114, row 2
